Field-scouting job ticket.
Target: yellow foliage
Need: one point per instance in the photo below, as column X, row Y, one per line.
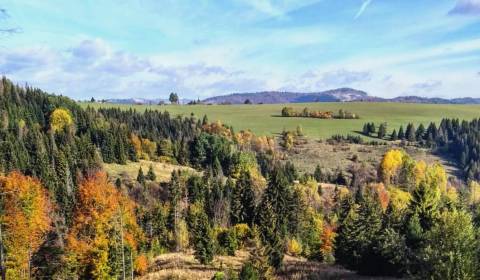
column 390, row 165
column 25, row 220
column 474, row 193
column 399, row 198
column 294, row 248
column 420, row 171
column 451, row 194
column 437, row 176
column 60, row 118
column 242, row 231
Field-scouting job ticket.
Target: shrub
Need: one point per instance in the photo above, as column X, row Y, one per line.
column 141, row 265
column 294, row 248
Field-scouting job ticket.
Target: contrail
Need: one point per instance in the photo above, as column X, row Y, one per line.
column 363, row 8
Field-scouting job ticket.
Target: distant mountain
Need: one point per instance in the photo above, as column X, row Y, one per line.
column 272, row 97
column 335, row 95
column 275, row 97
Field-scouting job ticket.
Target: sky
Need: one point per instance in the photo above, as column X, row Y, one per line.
column 200, row 48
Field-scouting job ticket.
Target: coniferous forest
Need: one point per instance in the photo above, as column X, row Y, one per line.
column 63, row 217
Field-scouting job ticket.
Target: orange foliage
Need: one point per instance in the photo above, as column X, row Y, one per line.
column 137, row 144
column 101, row 216
column 141, row 265
column 327, row 238
column 382, row 194
column 218, row 128
column 25, row 220
column 248, row 140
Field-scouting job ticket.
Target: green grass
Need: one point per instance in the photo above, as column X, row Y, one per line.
column 265, row 120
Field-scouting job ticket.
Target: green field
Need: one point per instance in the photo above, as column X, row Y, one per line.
column 265, row 120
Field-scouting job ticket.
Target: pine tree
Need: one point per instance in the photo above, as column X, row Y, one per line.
column 382, row 131
column 243, row 200
column 317, row 174
column 141, row 177
column 401, row 134
column 420, row 133
column 203, row 243
column 394, row 136
column 273, row 214
column 151, row 174
column 118, row 182
column 410, row 133
column 257, row 266
column 366, row 130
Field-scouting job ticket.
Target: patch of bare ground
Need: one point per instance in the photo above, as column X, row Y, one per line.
column 183, row 266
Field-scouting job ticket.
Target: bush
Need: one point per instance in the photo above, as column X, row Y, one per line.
column 141, row 265
column 294, row 248
column 242, row 232
column 228, row 242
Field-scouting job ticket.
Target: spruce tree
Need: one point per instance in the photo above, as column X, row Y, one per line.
column 243, row 200
column 141, row 176
column 382, row 131
column 401, row 133
column 394, row 136
column 203, row 243
column 410, row 133
column 151, row 174
column 420, row 133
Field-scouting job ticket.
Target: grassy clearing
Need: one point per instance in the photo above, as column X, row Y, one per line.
column 183, row 266
column 265, row 120
column 162, row 170
column 340, row 156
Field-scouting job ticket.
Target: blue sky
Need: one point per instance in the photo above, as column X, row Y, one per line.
column 148, row 48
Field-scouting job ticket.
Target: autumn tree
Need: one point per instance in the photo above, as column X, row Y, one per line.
column 60, row 119
column 25, row 221
column 104, row 233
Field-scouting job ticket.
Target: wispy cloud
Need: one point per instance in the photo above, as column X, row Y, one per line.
column 362, row 9
column 466, row 7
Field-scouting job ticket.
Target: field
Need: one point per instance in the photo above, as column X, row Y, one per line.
column 163, row 171
column 264, row 119
column 183, row 266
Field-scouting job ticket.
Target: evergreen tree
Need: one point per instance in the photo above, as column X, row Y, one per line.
column 151, row 174
column 118, row 182
column 141, row 177
column 203, row 243
column 382, row 130
column 272, row 216
column 410, row 133
column 243, row 200
column 420, row 133
column 318, row 175
column 366, row 129
column 401, row 133
column 394, row 136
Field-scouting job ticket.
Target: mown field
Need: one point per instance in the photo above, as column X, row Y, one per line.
column 265, row 120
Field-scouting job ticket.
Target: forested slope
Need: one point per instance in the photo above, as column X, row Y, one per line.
column 62, row 217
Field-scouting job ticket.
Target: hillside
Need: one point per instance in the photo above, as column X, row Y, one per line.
column 334, row 95
column 272, row 97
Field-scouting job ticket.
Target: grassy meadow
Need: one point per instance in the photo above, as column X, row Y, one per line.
column 265, row 119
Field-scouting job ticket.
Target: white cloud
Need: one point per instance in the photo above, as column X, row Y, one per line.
column 362, row 9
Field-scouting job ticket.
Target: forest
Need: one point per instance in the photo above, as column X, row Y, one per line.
column 63, row 217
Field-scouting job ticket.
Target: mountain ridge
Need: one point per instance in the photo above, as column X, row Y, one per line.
column 280, row 97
